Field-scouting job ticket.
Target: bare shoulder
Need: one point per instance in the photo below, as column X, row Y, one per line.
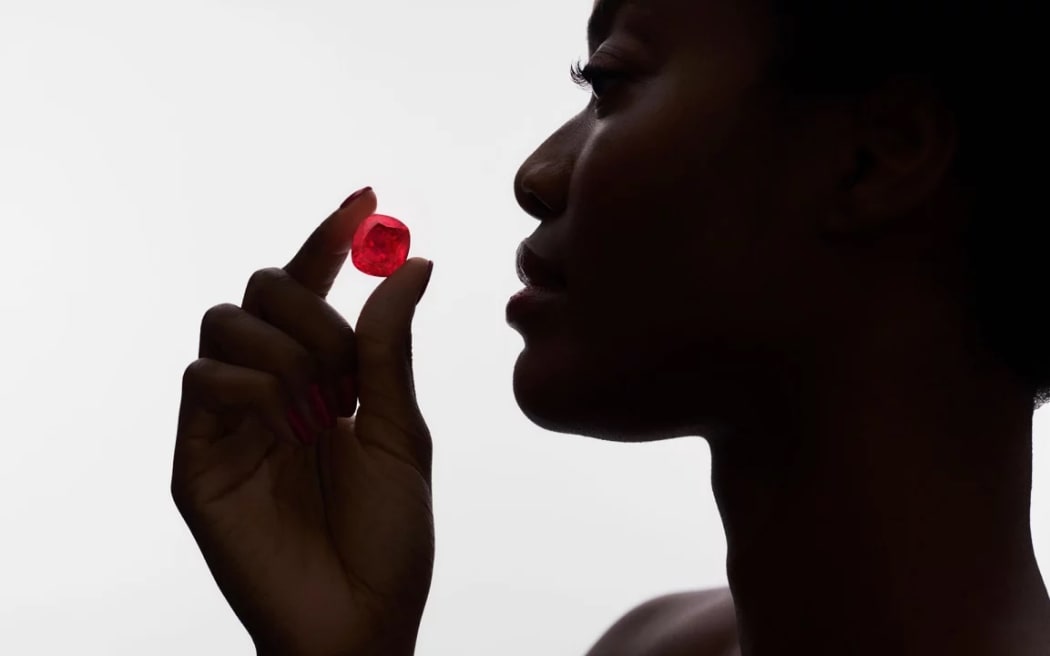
column 695, row 623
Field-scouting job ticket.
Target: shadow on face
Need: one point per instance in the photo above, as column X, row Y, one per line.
column 686, row 208
column 676, row 205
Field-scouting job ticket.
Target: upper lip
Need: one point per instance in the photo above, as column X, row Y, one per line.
column 535, row 271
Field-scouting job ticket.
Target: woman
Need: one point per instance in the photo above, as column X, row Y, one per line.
column 791, row 227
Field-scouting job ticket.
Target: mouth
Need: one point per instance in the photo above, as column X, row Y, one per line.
column 536, row 272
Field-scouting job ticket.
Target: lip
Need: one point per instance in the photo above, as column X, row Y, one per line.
column 532, row 304
column 535, row 271
column 545, row 288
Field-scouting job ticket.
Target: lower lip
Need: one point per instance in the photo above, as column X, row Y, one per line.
column 531, row 302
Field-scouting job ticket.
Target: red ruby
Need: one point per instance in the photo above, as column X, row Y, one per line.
column 380, row 245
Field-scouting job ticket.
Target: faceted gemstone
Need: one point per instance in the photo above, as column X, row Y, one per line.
column 380, row 245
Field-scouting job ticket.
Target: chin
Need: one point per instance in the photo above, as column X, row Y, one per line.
column 559, row 392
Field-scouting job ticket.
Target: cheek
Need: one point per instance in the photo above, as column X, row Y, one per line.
column 652, row 232
column 677, row 249
column 620, row 237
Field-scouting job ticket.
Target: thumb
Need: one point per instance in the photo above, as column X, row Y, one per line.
column 386, row 388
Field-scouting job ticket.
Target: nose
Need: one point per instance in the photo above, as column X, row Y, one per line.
column 541, row 185
column 539, row 188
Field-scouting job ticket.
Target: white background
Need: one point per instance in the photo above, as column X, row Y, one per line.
column 152, row 156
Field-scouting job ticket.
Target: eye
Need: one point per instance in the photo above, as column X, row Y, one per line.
column 593, row 78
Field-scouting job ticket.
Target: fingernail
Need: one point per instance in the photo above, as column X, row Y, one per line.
column 299, row 426
column 426, row 283
column 320, row 407
column 354, row 196
column 348, row 392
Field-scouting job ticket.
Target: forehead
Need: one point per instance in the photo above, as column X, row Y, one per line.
column 713, row 19
column 729, row 38
column 605, row 13
column 676, row 8
column 609, row 7
column 712, row 14
column 607, row 10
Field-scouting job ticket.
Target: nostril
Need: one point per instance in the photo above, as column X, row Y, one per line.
column 533, row 206
column 533, row 203
column 535, row 198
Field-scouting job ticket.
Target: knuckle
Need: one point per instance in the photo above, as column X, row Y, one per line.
column 178, row 495
column 216, row 316
column 425, row 451
column 271, row 392
column 345, row 337
column 180, row 490
column 194, row 372
column 299, row 366
column 338, row 347
column 263, row 279
column 186, row 501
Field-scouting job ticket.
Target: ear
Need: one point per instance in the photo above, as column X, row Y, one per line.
column 905, row 140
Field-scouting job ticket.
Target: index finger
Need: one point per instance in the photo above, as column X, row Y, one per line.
column 321, row 257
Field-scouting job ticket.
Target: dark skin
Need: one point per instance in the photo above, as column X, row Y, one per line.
column 727, row 247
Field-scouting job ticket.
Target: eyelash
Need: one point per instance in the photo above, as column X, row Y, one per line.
column 584, row 76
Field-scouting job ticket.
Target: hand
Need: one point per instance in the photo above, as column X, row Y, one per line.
column 322, row 548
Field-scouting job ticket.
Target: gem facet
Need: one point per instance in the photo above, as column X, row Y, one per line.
column 380, row 245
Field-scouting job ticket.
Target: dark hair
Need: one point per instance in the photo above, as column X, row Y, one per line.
column 980, row 57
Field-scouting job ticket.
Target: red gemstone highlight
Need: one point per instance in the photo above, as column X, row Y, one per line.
column 380, row 245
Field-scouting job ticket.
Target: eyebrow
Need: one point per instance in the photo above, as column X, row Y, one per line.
column 602, row 18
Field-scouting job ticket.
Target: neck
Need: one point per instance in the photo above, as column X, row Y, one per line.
column 891, row 516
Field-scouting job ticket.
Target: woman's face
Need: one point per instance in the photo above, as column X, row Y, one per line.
column 682, row 206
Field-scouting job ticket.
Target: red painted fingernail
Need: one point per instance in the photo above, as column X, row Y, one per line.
column 348, row 392
column 354, row 196
column 299, row 426
column 320, row 407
